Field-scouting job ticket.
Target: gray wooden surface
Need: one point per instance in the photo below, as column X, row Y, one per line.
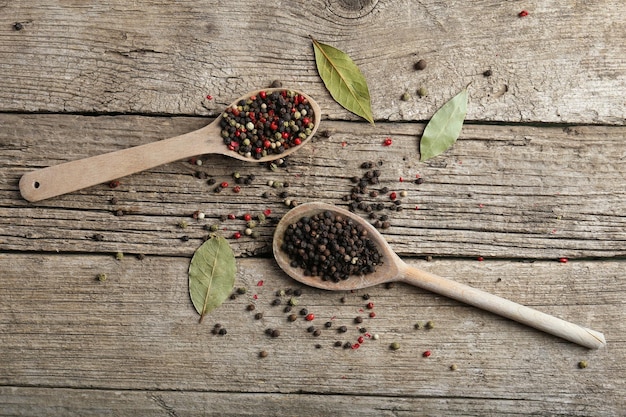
column 537, row 176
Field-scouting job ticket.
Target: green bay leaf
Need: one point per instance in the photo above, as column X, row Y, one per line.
column 444, row 127
column 211, row 275
column 343, row 80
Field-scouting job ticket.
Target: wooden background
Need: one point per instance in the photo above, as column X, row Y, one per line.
column 538, row 174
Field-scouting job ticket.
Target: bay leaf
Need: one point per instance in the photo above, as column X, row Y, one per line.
column 211, row 275
column 343, row 80
column 444, row 127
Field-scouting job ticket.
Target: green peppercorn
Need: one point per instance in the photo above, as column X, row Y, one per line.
column 394, row 346
column 119, row 256
column 454, row 367
column 102, row 277
column 293, row 302
column 242, row 290
column 582, row 364
column 422, row 92
column 405, row 97
column 430, row 324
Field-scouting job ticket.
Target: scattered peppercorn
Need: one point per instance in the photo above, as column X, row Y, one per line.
column 263, row 354
column 487, row 73
column 430, row 324
column 405, row 97
column 292, row 317
column 582, row 364
column 102, row 277
column 275, row 333
column 342, row 329
column 17, row 26
column 454, row 367
column 250, row 307
column 420, row 65
column 427, row 354
column 258, row 316
column 422, row 92
column 394, row 346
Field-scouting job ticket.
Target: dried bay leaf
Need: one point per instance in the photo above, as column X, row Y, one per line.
column 343, row 80
column 444, row 127
column 211, row 275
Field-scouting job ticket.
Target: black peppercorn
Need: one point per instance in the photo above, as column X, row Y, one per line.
column 18, row 26
column 342, row 329
column 420, row 65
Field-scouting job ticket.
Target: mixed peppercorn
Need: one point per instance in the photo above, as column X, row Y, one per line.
column 267, row 123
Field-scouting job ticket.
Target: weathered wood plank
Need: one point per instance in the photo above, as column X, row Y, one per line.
column 501, row 191
column 560, row 64
column 137, row 331
column 22, row 401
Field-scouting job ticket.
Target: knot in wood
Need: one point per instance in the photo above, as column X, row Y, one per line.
column 352, row 9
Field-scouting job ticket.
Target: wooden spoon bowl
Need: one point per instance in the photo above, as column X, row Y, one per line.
column 395, row 269
column 76, row 175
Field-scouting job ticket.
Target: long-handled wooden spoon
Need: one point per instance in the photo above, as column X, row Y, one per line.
column 394, row 269
column 76, row 175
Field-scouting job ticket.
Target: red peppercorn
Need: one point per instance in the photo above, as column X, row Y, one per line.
column 393, row 195
column 267, row 144
column 209, row 97
column 387, row 142
column 237, row 235
column 401, row 179
column 370, row 305
column 480, row 259
column 360, row 339
column 224, row 184
column 306, row 121
column 273, row 126
column 262, row 94
column 372, row 314
column 297, row 141
column 236, row 189
column 356, row 346
column 563, row 260
column 267, row 212
column 523, row 13
column 231, row 217
column 114, row 184
column 310, row 317
column 285, row 135
column 427, row 353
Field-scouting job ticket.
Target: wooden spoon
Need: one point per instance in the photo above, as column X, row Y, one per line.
column 394, row 269
column 76, row 175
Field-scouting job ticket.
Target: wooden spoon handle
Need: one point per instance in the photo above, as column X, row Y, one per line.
column 76, row 175
column 503, row 307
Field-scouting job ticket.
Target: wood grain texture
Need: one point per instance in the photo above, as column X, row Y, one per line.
column 501, row 191
column 136, row 337
column 563, row 63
